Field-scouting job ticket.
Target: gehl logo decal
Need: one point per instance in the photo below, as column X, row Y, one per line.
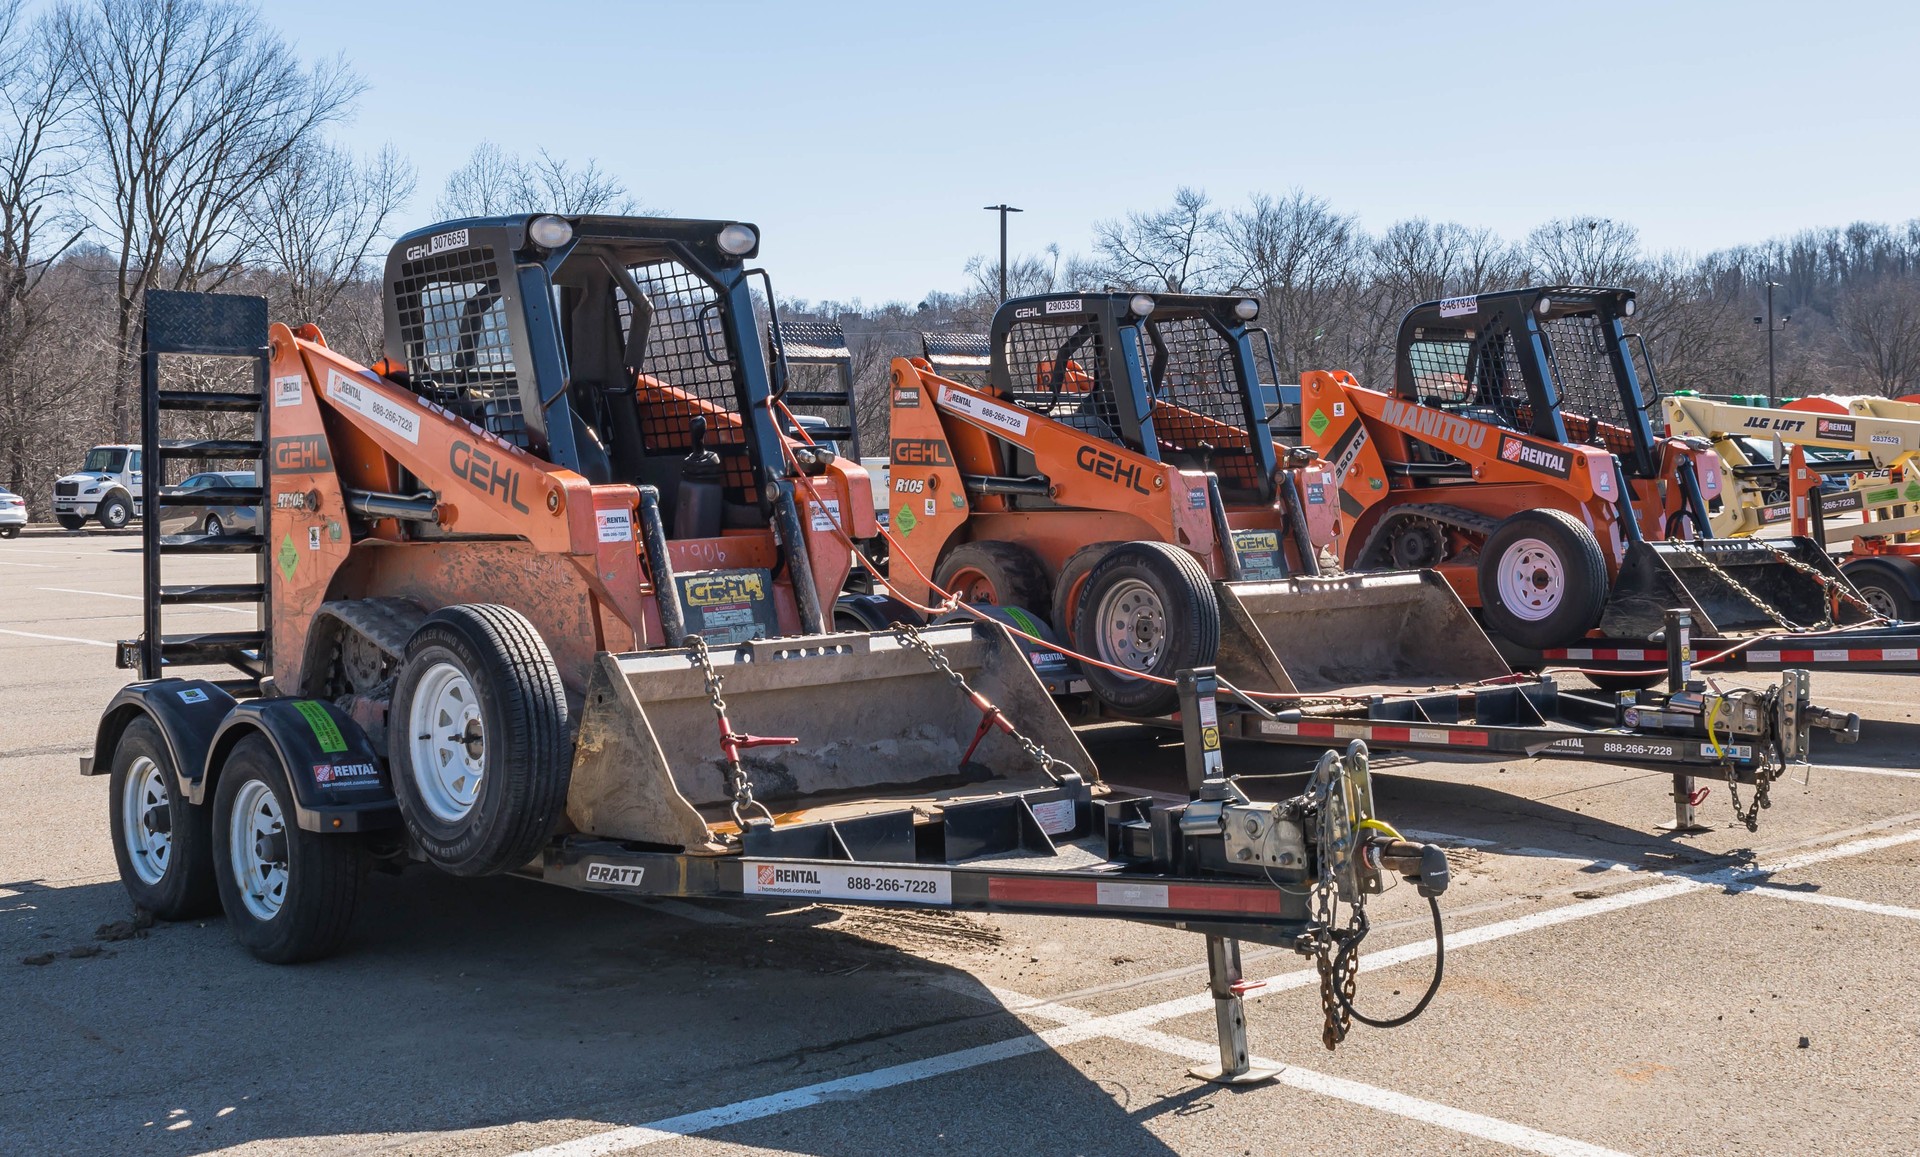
column 479, row 470
column 305, row 454
column 1102, row 464
column 920, row 452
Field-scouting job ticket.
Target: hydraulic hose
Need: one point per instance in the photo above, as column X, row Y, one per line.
column 1439, row 970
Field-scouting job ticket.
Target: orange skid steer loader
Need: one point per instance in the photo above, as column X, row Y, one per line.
column 1516, row 454
column 547, row 591
column 1114, row 471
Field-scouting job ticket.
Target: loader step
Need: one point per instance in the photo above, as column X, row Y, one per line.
column 225, row 496
column 211, row 543
column 189, row 593
column 210, row 448
column 210, row 401
column 211, row 647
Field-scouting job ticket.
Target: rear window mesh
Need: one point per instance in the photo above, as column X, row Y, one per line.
column 1041, row 356
column 1199, row 403
column 685, row 371
column 457, row 338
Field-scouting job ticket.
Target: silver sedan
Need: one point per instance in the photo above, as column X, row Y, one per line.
column 177, row 517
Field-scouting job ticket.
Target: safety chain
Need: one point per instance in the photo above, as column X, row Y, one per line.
column 990, row 715
column 738, row 785
column 1741, row 589
column 1827, row 584
column 1751, row 816
column 1828, row 588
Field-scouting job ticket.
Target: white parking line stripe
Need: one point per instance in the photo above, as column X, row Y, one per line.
column 55, row 638
column 139, row 598
column 35, row 565
column 1779, row 892
column 1867, row 770
column 1117, row 1025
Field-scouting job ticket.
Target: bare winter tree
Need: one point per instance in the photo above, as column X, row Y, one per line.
column 1880, row 326
column 319, row 217
column 190, row 106
column 1171, row 250
column 494, row 182
column 1586, row 251
column 1303, row 261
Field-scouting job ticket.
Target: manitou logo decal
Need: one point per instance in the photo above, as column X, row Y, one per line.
column 1102, row 464
column 1534, row 456
column 1434, row 425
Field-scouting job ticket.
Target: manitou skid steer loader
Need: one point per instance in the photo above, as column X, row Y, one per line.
column 1515, row 454
column 1112, row 469
column 508, row 576
column 1774, row 481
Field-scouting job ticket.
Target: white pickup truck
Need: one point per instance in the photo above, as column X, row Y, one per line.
column 107, row 487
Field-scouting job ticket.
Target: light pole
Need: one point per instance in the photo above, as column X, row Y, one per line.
column 1003, row 210
column 1773, row 396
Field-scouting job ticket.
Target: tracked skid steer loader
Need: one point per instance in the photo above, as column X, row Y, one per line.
column 547, row 591
column 1516, row 454
column 1112, row 471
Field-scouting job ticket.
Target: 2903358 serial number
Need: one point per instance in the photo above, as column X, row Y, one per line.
column 891, row 884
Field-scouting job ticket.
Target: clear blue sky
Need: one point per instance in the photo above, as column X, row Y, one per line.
column 864, row 137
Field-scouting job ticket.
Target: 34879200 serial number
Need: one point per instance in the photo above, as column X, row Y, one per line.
column 891, row 884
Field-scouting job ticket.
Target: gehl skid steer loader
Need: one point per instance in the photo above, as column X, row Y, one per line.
column 1516, row 454
column 507, row 578
column 1111, row 468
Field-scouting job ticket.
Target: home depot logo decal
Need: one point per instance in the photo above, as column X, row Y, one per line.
column 768, row 874
column 1534, row 456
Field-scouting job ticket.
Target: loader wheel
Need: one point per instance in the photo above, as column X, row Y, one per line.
column 162, row 843
column 289, row 893
column 72, row 521
column 478, row 740
column 1148, row 607
column 1890, row 586
column 1073, row 580
column 1543, row 581
column 993, row 572
column 115, row 512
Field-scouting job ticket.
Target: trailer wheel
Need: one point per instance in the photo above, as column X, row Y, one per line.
column 289, row 893
column 1148, row 607
column 162, row 843
column 1000, row 573
column 478, row 740
column 72, row 521
column 1072, row 580
column 115, row 512
column 1543, row 581
column 1891, row 586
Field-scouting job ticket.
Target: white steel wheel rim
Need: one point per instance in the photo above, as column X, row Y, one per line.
column 1532, row 579
column 449, row 749
column 1133, row 625
column 1881, row 601
column 257, row 848
column 149, row 852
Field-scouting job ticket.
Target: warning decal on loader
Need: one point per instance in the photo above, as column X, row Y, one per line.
column 729, row 606
column 865, row 882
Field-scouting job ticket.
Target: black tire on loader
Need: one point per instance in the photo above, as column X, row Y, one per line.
column 478, row 744
column 162, row 843
column 289, row 893
column 1150, row 607
column 1543, row 580
column 1001, row 573
column 1073, row 576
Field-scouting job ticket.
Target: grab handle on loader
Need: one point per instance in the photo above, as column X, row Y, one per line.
column 1628, row 516
column 666, row 589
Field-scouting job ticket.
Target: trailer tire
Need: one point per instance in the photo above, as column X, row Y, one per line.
column 289, row 893
column 1073, row 578
column 1001, row 573
column 1150, row 607
column 115, row 511
column 169, row 873
column 72, row 521
column 483, row 671
column 1543, row 580
column 1891, row 586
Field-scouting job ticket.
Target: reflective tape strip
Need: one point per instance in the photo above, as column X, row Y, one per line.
column 1613, row 654
column 1246, row 900
column 1375, row 733
column 1863, row 655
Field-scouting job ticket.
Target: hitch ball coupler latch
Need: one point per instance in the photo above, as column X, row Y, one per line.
column 1424, row 864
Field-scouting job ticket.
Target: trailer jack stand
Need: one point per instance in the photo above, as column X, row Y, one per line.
column 1236, row 1065
column 1685, row 798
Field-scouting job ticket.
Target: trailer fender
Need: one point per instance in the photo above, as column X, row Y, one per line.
column 339, row 780
column 187, row 712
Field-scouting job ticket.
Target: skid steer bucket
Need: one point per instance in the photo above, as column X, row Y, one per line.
column 876, row 726
column 1730, row 584
column 1362, row 632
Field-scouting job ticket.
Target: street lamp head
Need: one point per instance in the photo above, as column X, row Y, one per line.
column 1759, row 321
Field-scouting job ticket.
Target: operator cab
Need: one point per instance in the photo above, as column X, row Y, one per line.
column 1552, row 362
column 1172, row 376
column 625, row 349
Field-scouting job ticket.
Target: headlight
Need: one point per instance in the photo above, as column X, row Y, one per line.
column 1141, row 305
column 1627, row 309
column 1246, row 309
column 738, row 240
column 1543, row 305
column 550, row 232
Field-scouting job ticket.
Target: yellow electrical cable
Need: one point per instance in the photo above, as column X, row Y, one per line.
column 1713, row 713
column 1382, row 825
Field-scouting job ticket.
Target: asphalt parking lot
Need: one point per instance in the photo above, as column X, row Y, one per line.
column 1608, row 988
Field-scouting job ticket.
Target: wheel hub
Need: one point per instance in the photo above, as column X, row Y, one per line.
column 1133, row 625
column 1532, row 580
column 257, row 849
column 449, row 742
column 146, row 818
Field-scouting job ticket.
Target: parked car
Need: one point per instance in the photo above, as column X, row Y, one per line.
column 107, row 487
column 210, row 517
column 13, row 513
